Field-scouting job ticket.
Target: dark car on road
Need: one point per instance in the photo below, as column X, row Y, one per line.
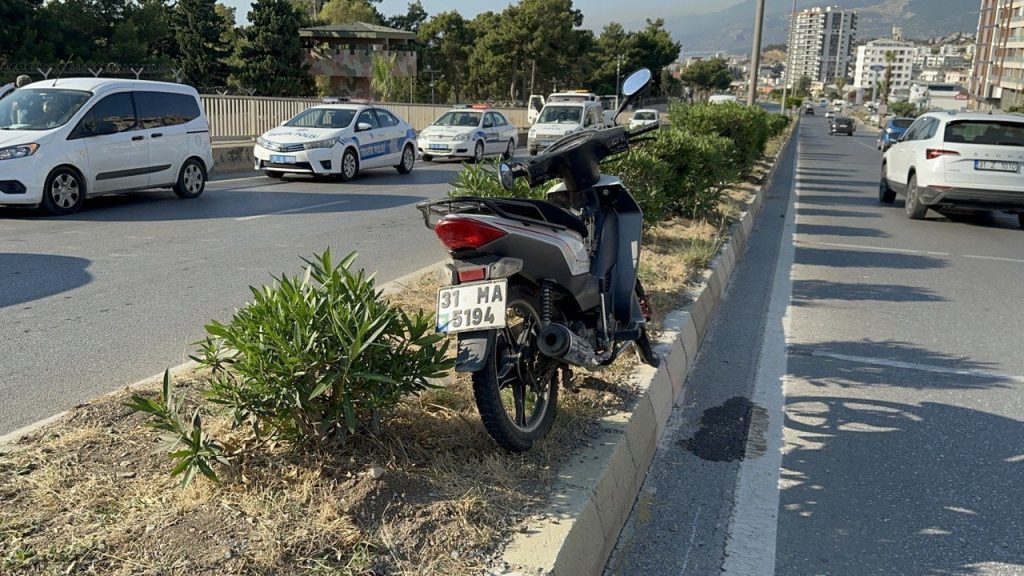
column 809, row 110
column 892, row 131
column 841, row 125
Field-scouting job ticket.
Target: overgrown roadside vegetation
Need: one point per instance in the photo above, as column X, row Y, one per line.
column 409, row 484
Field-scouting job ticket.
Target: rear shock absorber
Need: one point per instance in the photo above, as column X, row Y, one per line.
column 545, row 303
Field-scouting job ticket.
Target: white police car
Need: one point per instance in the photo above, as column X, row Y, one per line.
column 469, row 133
column 337, row 139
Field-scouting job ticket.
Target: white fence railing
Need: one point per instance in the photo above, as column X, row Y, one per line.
column 245, row 117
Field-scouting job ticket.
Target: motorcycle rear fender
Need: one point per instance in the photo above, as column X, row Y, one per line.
column 474, row 347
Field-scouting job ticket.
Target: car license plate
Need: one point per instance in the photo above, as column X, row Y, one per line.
column 996, row 165
column 438, row 147
column 282, row 159
column 467, row 307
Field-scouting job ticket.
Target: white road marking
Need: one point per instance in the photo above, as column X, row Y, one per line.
column 291, row 210
column 693, row 536
column 995, row 258
column 987, row 374
column 752, row 531
column 874, row 248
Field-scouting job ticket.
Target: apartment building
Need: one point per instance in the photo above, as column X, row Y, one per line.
column 874, row 54
column 821, row 44
column 997, row 80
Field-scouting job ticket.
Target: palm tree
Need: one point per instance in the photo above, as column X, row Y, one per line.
column 890, row 59
column 382, row 75
column 840, row 84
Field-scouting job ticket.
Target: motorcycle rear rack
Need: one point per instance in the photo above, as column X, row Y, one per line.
column 510, row 208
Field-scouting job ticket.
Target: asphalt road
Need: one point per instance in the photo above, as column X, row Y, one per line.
column 119, row 291
column 857, row 407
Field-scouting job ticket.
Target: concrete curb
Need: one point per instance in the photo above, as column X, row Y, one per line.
column 8, row 440
column 597, row 489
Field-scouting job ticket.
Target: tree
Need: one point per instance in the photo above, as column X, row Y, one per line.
column 614, row 55
column 445, row 41
column 705, row 76
column 803, row 86
column 904, row 109
column 382, row 75
column 201, row 47
column 411, row 20
column 890, row 59
column 348, row 11
column 656, row 48
column 271, row 55
column 840, row 84
column 670, row 85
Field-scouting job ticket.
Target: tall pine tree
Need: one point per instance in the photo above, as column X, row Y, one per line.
column 202, row 48
column 272, row 55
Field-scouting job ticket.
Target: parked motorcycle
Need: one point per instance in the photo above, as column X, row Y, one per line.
column 538, row 287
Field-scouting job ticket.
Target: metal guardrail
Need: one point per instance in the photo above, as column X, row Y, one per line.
column 245, row 117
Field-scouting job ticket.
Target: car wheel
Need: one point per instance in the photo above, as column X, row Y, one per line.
column 64, row 192
column 274, row 174
column 886, row 195
column 408, row 160
column 191, row 179
column 478, row 153
column 510, row 150
column 427, row 157
column 349, row 165
column 915, row 210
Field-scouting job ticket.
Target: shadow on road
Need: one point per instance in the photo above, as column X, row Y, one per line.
column 844, row 258
column 835, row 213
column 879, row 487
column 815, row 292
column 848, row 200
column 829, row 230
column 228, row 203
column 28, row 277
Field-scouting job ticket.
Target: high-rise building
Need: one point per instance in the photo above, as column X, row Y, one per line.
column 874, row 54
column 821, row 44
column 997, row 80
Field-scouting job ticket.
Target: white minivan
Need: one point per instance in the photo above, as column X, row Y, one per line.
column 559, row 119
column 63, row 140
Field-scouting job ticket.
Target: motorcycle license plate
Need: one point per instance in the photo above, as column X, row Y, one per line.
column 466, row 307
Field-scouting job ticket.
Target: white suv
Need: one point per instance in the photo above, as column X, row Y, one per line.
column 63, row 140
column 559, row 119
column 961, row 160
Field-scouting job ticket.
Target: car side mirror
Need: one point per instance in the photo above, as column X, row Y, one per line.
column 283, row 122
column 363, row 127
column 505, row 176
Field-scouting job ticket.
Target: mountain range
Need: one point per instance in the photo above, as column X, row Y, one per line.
column 731, row 29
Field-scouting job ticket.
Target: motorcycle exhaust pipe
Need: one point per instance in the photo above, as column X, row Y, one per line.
column 557, row 341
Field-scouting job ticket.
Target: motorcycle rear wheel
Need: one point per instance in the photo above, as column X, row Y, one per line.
column 516, row 391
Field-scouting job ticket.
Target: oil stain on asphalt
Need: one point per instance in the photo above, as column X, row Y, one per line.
column 733, row 431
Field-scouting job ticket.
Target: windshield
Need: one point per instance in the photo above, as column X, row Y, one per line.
column 902, row 123
column 459, row 119
column 990, row 132
column 323, row 118
column 561, row 115
column 40, row 108
column 644, row 116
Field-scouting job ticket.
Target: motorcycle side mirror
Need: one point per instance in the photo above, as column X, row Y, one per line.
column 633, row 85
column 636, row 82
column 505, row 176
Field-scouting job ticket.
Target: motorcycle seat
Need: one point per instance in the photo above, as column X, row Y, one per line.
column 550, row 213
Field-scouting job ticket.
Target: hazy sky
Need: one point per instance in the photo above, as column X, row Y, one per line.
column 596, row 13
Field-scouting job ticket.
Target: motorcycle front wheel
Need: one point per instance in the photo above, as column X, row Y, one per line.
column 516, row 391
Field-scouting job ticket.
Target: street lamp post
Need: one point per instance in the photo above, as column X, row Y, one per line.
column 755, row 58
column 789, row 60
column 618, row 73
column 432, row 73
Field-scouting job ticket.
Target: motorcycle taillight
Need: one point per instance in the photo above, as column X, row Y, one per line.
column 458, row 233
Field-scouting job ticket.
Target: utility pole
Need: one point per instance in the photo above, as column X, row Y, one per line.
column 432, row 73
column 618, row 73
column 789, row 60
column 755, row 57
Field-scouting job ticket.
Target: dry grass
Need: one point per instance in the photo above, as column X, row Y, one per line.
column 429, row 494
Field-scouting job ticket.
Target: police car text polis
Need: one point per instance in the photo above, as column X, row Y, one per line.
column 337, row 139
column 469, row 132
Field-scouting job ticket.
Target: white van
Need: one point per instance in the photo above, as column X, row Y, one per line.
column 64, row 140
column 559, row 119
column 723, row 99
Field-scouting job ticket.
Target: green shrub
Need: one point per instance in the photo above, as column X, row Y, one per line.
column 699, row 165
column 648, row 177
column 482, row 180
column 316, row 356
column 746, row 126
column 777, row 124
